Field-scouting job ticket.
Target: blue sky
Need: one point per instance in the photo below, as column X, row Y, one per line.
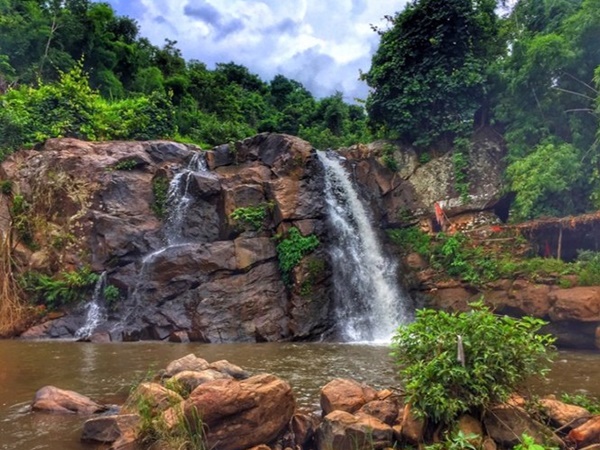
column 321, row 43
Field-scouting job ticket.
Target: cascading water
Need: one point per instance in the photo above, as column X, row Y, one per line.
column 369, row 304
column 179, row 199
column 95, row 314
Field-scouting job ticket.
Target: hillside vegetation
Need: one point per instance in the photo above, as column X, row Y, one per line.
column 444, row 68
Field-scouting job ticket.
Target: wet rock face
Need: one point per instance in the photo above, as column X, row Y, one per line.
column 221, row 282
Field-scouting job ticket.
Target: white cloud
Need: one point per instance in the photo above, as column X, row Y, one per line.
column 321, row 43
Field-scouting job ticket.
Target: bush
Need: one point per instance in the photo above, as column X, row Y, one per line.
column 66, row 288
column 500, row 353
column 250, row 217
column 291, row 250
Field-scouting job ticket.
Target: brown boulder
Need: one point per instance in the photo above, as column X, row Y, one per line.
column 185, row 382
column 345, row 395
column 385, row 411
column 411, row 427
column 55, row 400
column 108, row 429
column 155, row 397
column 230, row 369
column 562, row 414
column 242, row 414
column 506, row 424
column 187, row 363
column 586, row 434
column 304, row 428
column 341, row 430
column 578, row 303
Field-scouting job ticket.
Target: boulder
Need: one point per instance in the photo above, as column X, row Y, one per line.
column 385, row 411
column 562, row 414
column 341, row 430
column 578, row 303
column 230, row 369
column 304, row 427
column 506, row 424
column 108, row 429
column 586, row 434
column 470, row 426
column 155, row 397
column 51, row 399
column 411, row 428
column 187, row 380
column 189, row 362
column 241, row 414
column 345, row 395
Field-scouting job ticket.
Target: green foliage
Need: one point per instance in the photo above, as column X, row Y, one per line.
column 66, row 288
column 292, row 249
column 251, row 217
column 6, row 187
column 499, row 354
column 160, row 189
column 590, row 403
column 428, row 75
column 588, row 267
column 544, row 181
column 126, row 164
column 20, row 212
column 411, row 239
column 456, row 441
column 460, row 161
column 528, row 443
column 111, row 294
column 388, row 158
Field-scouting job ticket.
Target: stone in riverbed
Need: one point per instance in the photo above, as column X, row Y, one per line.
column 55, row 400
column 561, row 414
column 242, row 414
column 108, row 429
column 190, row 380
column 226, row 367
column 341, row 430
column 345, row 395
column 189, row 362
column 154, row 396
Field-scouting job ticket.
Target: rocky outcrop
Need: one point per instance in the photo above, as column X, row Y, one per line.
column 573, row 313
column 100, row 204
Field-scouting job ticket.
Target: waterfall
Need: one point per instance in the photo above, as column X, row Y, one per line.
column 179, row 199
column 95, row 313
column 369, row 304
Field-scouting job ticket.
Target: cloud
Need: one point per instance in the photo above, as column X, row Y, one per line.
column 321, row 43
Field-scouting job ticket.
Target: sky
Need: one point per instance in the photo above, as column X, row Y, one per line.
column 321, row 43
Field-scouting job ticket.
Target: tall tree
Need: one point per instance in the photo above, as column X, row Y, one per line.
column 429, row 73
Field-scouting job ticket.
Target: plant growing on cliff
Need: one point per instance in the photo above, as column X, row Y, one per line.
column 67, row 287
column 251, row 217
column 160, row 189
column 451, row 363
column 291, row 250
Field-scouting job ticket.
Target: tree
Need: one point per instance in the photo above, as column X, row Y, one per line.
column 429, row 73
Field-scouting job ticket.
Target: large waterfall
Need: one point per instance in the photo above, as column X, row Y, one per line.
column 369, row 303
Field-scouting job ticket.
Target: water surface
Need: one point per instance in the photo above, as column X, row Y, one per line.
column 106, row 373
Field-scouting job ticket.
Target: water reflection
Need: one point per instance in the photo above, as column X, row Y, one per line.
column 106, row 373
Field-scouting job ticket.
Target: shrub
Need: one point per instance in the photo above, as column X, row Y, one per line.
column 126, row 164
column 411, row 239
column 291, row 250
column 160, row 190
column 67, row 287
column 111, row 294
column 250, row 217
column 499, row 354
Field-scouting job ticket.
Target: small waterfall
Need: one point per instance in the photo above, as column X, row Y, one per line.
column 95, row 313
column 369, row 304
column 179, row 199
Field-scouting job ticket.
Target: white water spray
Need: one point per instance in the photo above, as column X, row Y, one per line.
column 369, row 304
column 96, row 313
column 179, row 199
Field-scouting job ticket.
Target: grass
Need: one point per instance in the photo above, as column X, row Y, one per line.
column 12, row 310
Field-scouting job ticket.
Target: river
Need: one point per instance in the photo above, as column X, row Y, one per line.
column 106, row 373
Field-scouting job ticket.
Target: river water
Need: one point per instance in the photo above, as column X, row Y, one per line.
column 106, row 373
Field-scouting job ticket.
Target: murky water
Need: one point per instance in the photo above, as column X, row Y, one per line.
column 106, row 372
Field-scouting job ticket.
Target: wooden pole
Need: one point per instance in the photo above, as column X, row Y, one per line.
column 559, row 250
